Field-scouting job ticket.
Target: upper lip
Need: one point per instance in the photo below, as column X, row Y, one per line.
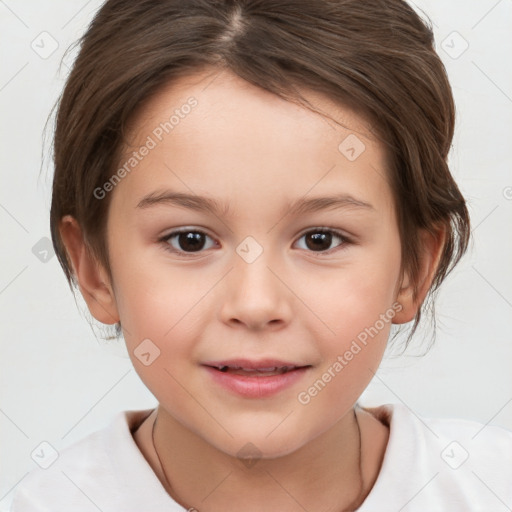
column 248, row 364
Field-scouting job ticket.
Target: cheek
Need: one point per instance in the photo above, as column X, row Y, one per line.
column 163, row 311
column 358, row 305
column 159, row 303
column 155, row 298
column 159, row 314
column 349, row 300
column 359, row 310
column 360, row 320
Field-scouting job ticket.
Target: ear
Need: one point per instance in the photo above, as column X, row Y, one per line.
column 432, row 244
column 92, row 278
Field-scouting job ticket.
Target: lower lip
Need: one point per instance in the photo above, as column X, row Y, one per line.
column 257, row 387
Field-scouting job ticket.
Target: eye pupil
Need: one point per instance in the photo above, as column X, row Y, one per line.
column 320, row 241
column 191, row 241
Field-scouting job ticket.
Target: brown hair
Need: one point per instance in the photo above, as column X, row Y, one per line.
column 377, row 57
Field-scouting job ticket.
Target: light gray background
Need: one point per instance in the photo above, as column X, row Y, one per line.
column 59, row 382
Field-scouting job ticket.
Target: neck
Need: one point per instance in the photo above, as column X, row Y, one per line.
column 331, row 472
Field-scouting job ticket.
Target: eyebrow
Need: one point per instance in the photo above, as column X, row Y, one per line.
column 208, row 204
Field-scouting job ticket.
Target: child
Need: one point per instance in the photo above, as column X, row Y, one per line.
column 257, row 131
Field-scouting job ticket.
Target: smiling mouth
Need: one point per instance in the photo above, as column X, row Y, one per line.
column 253, row 379
column 257, row 372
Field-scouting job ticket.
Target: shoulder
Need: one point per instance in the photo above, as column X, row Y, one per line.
column 89, row 474
column 442, row 462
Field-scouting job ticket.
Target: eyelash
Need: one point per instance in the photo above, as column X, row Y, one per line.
column 166, row 245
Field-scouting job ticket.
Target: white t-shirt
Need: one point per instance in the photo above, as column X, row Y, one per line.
column 429, row 465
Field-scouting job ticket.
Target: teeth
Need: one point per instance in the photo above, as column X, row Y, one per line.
column 282, row 369
column 271, row 369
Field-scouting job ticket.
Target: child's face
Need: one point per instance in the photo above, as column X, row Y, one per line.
column 257, row 288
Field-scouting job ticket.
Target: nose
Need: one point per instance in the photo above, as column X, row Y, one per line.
column 255, row 296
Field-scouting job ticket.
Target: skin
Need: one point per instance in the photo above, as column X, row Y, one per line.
column 257, row 153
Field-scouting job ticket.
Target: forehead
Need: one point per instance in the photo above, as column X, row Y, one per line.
column 213, row 133
column 228, row 101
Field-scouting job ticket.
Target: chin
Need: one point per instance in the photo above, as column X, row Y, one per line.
column 258, row 444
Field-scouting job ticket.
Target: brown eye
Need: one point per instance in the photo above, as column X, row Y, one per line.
column 187, row 241
column 321, row 240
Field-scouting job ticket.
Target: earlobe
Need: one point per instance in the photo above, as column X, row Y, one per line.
column 92, row 278
column 406, row 300
column 432, row 249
